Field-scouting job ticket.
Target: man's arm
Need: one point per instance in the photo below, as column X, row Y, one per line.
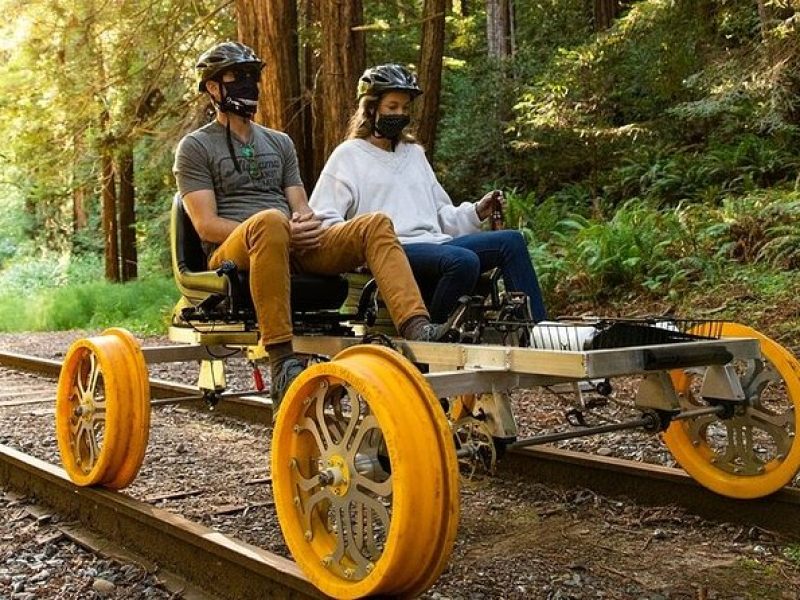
column 202, row 208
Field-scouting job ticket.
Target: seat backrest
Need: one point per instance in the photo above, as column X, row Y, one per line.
column 187, row 249
column 189, row 262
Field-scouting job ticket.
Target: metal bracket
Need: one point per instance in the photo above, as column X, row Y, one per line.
column 212, row 375
column 721, row 382
column 657, row 391
column 499, row 415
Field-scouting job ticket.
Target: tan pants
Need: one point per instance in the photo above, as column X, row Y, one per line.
column 262, row 246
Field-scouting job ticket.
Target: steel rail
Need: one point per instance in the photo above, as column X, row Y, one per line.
column 218, row 564
column 654, row 485
column 646, row 483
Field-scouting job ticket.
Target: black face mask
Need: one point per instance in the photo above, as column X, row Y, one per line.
column 391, row 126
column 240, row 97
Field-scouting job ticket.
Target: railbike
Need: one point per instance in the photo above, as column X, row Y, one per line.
column 370, row 440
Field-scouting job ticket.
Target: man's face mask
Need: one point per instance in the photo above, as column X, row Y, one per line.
column 391, row 126
column 240, row 96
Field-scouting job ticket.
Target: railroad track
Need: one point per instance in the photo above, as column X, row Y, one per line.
column 233, row 568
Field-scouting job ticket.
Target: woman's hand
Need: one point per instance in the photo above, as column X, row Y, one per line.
column 484, row 206
column 306, row 231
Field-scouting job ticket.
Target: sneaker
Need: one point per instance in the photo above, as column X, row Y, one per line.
column 431, row 332
column 288, row 372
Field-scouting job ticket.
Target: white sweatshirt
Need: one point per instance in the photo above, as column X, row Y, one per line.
column 360, row 178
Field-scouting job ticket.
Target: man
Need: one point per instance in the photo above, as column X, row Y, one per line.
column 242, row 190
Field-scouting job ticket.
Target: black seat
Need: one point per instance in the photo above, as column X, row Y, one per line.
column 230, row 288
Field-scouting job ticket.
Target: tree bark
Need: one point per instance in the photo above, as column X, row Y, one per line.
column 605, row 11
column 127, row 214
column 430, row 72
column 343, row 61
column 312, row 107
column 108, row 195
column 270, row 28
column 498, row 28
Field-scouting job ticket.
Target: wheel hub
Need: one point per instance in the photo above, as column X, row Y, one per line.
column 336, row 476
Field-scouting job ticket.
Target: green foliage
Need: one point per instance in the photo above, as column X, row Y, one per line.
column 639, row 250
column 142, row 306
column 792, row 552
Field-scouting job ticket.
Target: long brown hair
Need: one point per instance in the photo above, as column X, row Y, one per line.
column 362, row 122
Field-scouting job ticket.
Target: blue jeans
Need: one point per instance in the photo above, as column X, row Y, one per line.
column 447, row 271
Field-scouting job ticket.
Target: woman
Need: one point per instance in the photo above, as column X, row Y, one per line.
column 381, row 168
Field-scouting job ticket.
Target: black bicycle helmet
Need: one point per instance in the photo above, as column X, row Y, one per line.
column 223, row 56
column 384, row 78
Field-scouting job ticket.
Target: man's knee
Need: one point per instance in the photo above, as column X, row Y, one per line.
column 267, row 226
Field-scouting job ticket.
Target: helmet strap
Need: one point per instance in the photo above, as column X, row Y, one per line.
column 230, row 146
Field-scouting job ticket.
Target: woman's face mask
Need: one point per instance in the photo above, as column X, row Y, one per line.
column 391, row 126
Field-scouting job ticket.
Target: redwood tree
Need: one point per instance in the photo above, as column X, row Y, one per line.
column 499, row 27
column 430, row 72
column 605, row 11
column 343, row 61
column 270, row 28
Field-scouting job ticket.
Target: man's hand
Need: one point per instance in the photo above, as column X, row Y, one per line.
column 484, row 206
column 306, row 231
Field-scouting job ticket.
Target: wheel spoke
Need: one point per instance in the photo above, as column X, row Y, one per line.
column 319, row 407
column 355, row 413
column 368, row 423
column 698, row 427
column 307, row 509
column 383, row 488
column 307, row 484
column 94, row 373
column 339, row 526
column 773, row 425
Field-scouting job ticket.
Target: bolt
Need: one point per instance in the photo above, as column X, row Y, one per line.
column 760, row 470
column 323, row 384
column 780, row 456
column 369, row 567
column 297, row 500
column 296, row 428
column 78, row 411
column 308, row 535
column 344, row 481
column 293, row 463
column 349, row 573
column 327, row 561
column 695, row 443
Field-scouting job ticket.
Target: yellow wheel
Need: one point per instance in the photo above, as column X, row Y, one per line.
column 753, row 453
column 365, row 476
column 138, row 399
column 100, row 422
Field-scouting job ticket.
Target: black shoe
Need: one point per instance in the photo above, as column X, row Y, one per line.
column 287, row 373
column 431, row 332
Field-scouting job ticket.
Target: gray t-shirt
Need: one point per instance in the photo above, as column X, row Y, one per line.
column 268, row 166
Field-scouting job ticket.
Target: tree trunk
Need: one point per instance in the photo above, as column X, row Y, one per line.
column 465, row 8
column 605, row 11
column 127, row 215
column 270, row 28
column 108, row 195
column 498, row 28
column 430, row 72
column 343, row 61
column 312, row 105
column 79, row 217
